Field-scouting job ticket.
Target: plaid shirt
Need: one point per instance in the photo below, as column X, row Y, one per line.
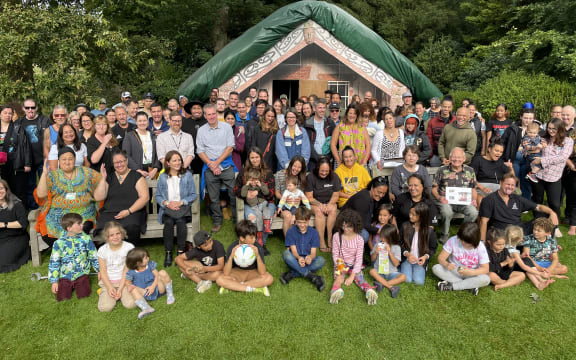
column 446, row 177
column 554, row 160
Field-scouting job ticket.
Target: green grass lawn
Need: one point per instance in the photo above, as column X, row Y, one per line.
column 296, row 321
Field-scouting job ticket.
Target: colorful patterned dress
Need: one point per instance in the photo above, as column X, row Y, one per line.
column 71, row 196
column 353, row 135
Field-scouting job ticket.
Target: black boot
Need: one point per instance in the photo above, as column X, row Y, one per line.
column 317, row 281
column 168, row 259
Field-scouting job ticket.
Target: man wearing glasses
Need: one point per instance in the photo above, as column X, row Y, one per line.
column 319, row 129
column 35, row 125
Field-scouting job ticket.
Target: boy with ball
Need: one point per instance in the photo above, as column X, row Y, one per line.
column 204, row 263
column 252, row 277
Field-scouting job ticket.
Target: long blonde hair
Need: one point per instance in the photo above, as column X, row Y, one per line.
column 514, row 235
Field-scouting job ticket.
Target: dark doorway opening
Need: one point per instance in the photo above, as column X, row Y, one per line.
column 288, row 87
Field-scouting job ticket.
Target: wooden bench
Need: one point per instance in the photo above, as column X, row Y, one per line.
column 154, row 229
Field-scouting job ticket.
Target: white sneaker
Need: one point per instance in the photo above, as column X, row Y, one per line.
column 372, row 297
column 203, row 286
column 336, row 296
column 557, row 233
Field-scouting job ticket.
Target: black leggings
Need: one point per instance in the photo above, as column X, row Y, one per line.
column 553, row 195
column 181, row 233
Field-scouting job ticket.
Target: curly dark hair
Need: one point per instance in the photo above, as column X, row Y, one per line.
column 349, row 217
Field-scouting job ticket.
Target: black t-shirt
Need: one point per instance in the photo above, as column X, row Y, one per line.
column 251, row 267
column 207, row 258
column 92, row 145
column 502, row 215
column 120, row 133
column 36, row 137
column 322, row 189
column 488, row 171
column 404, row 203
column 497, row 127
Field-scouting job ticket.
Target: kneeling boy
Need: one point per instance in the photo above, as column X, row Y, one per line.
column 204, row 263
column 249, row 279
column 302, row 243
column 70, row 261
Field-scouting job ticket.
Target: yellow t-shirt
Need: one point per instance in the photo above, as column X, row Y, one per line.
column 353, row 180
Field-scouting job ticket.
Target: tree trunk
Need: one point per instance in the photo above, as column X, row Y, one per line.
column 220, row 30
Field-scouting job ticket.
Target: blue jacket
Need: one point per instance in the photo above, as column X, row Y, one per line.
column 287, row 148
column 240, row 122
column 187, row 191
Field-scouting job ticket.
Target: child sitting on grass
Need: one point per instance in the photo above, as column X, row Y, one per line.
column 70, row 261
column 543, row 249
column 204, row 263
column 385, row 271
column 463, row 263
column 384, row 217
column 514, row 239
column 502, row 274
column 145, row 282
column 302, row 243
column 253, row 278
column 112, row 261
column 347, row 252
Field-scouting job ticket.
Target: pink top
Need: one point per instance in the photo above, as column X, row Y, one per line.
column 351, row 251
column 554, row 160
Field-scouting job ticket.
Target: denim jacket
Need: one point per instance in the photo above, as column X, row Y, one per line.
column 287, row 148
column 187, row 191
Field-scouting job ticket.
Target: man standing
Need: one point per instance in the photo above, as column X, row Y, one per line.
column 34, row 124
column 367, row 96
column 131, row 109
column 406, row 101
column 334, row 109
column 233, row 98
column 436, row 126
column 568, row 114
column 148, row 99
column 455, row 175
column 213, row 96
column 122, row 126
column 173, row 105
column 191, row 126
column 253, row 91
column 124, row 97
column 101, row 108
column 328, row 96
column 175, row 139
column 215, row 143
column 242, row 115
column 458, row 134
column 157, row 124
column 335, row 98
column 220, row 108
column 319, row 129
column 262, row 98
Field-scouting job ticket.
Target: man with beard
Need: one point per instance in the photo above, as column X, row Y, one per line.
column 191, row 126
column 122, row 126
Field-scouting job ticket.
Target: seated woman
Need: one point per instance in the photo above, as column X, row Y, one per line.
column 400, row 175
column 14, row 239
column 291, row 140
column 417, row 192
column 67, row 136
column 140, row 146
column 71, row 188
column 323, row 190
column 388, row 143
column 353, row 176
column 296, row 167
column 101, row 145
column 175, row 194
column 490, row 168
column 127, row 196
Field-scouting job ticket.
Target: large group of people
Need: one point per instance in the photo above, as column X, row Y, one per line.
column 294, row 163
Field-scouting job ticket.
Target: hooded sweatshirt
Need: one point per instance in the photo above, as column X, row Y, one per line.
column 418, row 138
column 454, row 136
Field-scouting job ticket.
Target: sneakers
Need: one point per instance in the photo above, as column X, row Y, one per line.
column 216, row 228
column 394, row 290
column 444, row 286
column 336, row 295
column 532, row 177
column 203, row 286
column 223, row 291
column 319, row 282
column 265, row 250
column 379, row 287
column 145, row 313
column 475, row 291
column 444, row 238
column 170, row 299
column 286, row 277
column 184, row 276
column 557, row 233
column 371, row 297
column 263, row 290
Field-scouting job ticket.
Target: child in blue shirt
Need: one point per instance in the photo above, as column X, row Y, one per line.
column 302, row 243
column 70, row 261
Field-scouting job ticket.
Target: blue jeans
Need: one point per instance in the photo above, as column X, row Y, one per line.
column 365, row 235
column 299, row 271
column 521, row 169
column 414, row 272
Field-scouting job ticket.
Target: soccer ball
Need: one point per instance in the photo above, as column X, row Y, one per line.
column 244, row 256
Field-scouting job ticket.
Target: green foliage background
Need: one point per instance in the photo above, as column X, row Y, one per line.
column 70, row 51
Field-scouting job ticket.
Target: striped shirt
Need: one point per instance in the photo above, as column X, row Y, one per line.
column 351, row 251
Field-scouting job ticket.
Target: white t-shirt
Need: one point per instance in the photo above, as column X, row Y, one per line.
column 173, row 183
column 115, row 260
column 471, row 259
column 80, row 154
column 146, row 148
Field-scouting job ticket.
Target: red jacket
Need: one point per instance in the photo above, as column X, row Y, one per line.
column 434, row 131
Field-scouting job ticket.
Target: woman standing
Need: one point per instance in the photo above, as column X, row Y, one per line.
column 14, row 239
column 175, row 194
column 101, row 145
column 307, row 111
column 350, row 132
column 498, row 124
column 388, row 143
column 67, row 136
column 127, row 196
column 51, row 134
column 74, row 120
column 263, row 136
column 292, row 140
column 277, row 105
column 239, row 138
column 140, row 146
column 14, row 142
column 87, row 121
column 553, row 160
